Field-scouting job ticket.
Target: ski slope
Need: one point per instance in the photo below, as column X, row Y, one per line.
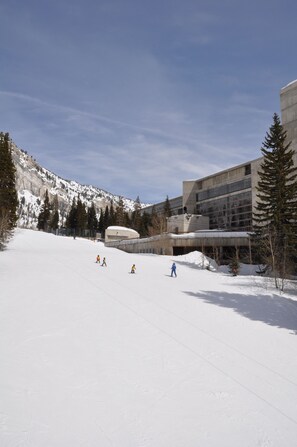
column 98, row 357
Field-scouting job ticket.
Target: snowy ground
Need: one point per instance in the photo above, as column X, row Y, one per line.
column 98, row 357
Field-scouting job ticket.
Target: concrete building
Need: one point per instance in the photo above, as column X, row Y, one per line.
column 288, row 100
column 176, row 205
column 116, row 233
column 187, row 223
column 221, row 246
column 227, row 197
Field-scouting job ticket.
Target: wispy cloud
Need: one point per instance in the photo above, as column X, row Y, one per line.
column 86, row 120
column 147, row 95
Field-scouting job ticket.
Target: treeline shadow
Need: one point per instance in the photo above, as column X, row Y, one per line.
column 272, row 310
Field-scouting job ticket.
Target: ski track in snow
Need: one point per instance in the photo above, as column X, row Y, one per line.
column 224, row 373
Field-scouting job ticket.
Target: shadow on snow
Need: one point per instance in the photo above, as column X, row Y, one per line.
column 273, row 310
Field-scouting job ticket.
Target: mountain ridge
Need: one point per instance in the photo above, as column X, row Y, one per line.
column 32, row 181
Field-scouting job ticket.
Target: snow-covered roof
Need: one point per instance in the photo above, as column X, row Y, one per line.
column 212, row 234
column 289, row 85
column 118, row 228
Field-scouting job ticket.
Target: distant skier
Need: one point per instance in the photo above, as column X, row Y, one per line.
column 98, row 259
column 173, row 269
column 133, row 268
column 104, row 263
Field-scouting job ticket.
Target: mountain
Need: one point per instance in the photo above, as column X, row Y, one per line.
column 32, row 181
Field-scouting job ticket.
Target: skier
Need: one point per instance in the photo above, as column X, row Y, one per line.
column 173, row 270
column 104, row 263
column 98, row 259
column 133, row 268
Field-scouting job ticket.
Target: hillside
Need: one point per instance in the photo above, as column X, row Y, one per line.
column 95, row 356
column 32, row 180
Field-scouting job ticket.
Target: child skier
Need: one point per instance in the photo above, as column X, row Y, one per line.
column 133, row 268
column 98, row 259
column 104, row 263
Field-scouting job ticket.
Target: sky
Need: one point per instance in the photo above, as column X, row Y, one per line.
column 102, row 357
column 136, row 96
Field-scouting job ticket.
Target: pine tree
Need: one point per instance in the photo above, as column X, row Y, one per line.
column 167, row 209
column 54, row 220
column 120, row 213
column 82, row 218
column 101, row 222
column 112, row 215
column 145, row 224
column 155, row 223
column 136, row 215
column 92, row 220
column 275, row 215
column 105, row 221
column 71, row 220
column 234, row 266
column 8, row 193
column 45, row 214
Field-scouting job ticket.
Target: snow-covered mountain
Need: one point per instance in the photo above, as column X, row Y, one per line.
column 32, row 181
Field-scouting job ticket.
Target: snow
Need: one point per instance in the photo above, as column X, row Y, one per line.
column 119, row 228
column 94, row 356
column 290, row 84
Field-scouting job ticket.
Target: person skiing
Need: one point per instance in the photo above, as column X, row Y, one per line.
column 98, row 259
column 133, row 268
column 173, row 270
column 104, row 263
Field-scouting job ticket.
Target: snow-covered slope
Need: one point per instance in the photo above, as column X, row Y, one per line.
column 94, row 356
column 33, row 181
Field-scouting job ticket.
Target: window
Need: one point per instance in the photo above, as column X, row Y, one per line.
column 223, row 190
column 247, row 169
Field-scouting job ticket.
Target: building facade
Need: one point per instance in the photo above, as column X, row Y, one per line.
column 288, row 100
column 228, row 198
column 176, row 206
column 187, row 223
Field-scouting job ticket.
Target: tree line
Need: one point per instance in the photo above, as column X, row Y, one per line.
column 86, row 221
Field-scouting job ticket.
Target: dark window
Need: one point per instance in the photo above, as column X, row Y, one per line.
column 247, row 170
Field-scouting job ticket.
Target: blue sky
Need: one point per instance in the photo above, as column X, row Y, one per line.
column 136, row 96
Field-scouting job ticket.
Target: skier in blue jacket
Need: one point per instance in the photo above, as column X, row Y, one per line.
column 173, row 269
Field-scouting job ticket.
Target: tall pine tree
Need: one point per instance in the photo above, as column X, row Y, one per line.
column 275, row 215
column 167, row 208
column 136, row 216
column 54, row 220
column 71, row 220
column 45, row 214
column 82, row 218
column 120, row 213
column 92, row 220
column 8, row 193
